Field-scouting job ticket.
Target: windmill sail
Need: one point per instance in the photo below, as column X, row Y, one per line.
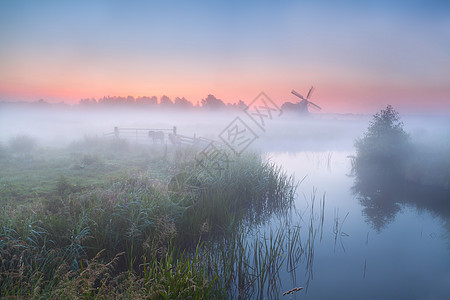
column 297, row 94
column 315, row 105
column 310, row 92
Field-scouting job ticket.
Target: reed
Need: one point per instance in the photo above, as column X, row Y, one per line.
column 365, row 268
column 248, row 265
column 249, row 191
column 337, row 229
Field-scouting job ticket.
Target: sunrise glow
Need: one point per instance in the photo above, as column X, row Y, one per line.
column 355, row 55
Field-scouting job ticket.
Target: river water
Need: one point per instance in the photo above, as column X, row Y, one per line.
column 393, row 254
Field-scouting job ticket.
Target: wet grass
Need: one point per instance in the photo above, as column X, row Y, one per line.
column 82, row 163
column 99, row 219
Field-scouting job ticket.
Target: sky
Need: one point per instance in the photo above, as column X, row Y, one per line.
column 359, row 55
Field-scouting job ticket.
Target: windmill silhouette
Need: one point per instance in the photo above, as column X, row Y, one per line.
column 303, row 105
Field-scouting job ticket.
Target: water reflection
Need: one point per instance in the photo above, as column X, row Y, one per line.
column 383, row 195
column 410, row 249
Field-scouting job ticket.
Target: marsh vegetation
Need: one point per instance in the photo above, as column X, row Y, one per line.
column 103, row 218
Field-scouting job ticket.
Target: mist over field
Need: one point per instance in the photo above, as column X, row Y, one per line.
column 59, row 126
column 296, row 189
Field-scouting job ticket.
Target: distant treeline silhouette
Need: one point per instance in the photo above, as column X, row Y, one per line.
column 210, row 103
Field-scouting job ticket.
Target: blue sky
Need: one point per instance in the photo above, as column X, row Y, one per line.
column 358, row 54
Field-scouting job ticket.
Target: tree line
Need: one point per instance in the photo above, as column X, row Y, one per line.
column 210, row 102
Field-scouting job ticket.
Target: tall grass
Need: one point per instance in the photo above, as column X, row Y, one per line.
column 134, row 237
column 250, row 190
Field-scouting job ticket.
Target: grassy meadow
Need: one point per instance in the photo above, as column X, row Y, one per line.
column 104, row 218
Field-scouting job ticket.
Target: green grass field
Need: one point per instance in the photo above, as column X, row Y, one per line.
column 102, row 218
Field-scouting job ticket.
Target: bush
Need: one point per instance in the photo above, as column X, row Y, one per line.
column 383, row 151
column 22, row 144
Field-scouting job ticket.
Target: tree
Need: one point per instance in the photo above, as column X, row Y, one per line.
column 88, row 102
column 386, row 123
column 379, row 166
column 165, row 101
column 241, row 105
column 383, row 149
column 147, row 101
column 182, row 103
column 212, row 103
column 130, row 100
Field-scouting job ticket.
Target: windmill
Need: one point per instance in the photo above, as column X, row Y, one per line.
column 303, row 105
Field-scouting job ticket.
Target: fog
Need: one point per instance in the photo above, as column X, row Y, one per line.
column 59, row 126
column 317, row 149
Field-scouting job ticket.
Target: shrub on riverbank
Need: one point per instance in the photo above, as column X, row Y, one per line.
column 391, row 170
column 382, row 153
column 387, row 155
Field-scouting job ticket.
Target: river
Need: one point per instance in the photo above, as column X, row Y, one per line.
column 400, row 254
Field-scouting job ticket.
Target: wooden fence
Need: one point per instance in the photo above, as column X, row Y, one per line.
column 157, row 136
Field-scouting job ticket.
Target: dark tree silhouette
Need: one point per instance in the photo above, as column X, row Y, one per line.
column 147, row 101
column 88, row 102
column 241, row 105
column 379, row 167
column 182, row 103
column 384, row 148
column 212, row 103
column 130, row 100
column 165, row 101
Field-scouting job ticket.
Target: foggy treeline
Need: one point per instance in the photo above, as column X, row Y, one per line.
column 210, row 102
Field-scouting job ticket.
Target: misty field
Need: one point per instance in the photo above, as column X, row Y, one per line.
column 102, row 218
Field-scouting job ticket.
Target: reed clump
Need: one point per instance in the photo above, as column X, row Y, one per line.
column 249, row 191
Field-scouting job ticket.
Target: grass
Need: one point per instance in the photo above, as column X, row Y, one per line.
column 250, row 191
column 22, row 179
column 100, row 219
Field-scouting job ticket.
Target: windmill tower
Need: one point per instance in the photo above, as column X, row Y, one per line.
column 303, row 105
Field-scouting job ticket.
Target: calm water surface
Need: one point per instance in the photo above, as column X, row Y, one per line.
column 406, row 257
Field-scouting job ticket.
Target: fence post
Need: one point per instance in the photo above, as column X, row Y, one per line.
column 116, row 132
column 175, row 130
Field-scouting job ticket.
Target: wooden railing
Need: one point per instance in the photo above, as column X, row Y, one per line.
column 157, row 135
